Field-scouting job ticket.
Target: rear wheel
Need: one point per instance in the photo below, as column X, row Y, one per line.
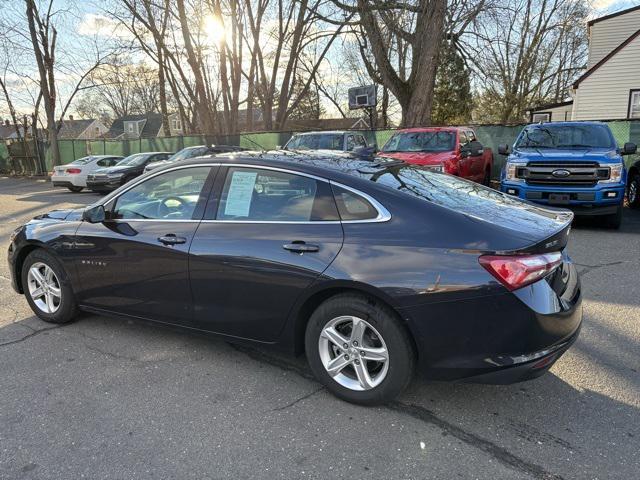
column 633, row 193
column 47, row 288
column 359, row 350
column 75, row 189
column 615, row 219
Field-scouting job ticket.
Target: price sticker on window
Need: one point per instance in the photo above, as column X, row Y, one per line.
column 240, row 194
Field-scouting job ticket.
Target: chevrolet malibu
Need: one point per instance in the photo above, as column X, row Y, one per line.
column 372, row 267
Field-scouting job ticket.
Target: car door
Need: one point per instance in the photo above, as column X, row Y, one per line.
column 265, row 238
column 465, row 161
column 477, row 161
column 136, row 261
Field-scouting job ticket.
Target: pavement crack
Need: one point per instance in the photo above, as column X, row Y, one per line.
column 298, row 400
column 499, row 453
column 28, row 336
column 586, row 268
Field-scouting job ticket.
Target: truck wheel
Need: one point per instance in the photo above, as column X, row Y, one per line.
column 75, row 189
column 615, row 219
column 633, row 193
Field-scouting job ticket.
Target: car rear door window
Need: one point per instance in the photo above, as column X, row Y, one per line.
column 260, row 195
column 353, row 206
column 170, row 196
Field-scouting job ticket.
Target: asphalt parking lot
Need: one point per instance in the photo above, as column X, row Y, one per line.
column 109, row 398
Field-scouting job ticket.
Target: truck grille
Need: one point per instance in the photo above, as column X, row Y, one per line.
column 574, row 174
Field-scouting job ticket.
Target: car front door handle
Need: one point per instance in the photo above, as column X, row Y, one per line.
column 171, row 239
column 298, row 246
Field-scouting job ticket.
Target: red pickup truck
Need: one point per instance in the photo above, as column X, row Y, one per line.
column 455, row 150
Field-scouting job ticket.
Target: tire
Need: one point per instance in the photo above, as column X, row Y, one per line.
column 75, row 189
column 64, row 309
column 385, row 379
column 614, row 220
column 633, row 192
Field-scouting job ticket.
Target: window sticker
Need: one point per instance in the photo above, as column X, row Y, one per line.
column 240, row 194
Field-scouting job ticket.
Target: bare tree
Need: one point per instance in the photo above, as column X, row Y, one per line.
column 393, row 33
column 527, row 52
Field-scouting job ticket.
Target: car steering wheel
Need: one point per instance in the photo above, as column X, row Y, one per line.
column 165, row 210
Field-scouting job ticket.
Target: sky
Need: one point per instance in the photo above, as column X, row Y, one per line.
column 87, row 24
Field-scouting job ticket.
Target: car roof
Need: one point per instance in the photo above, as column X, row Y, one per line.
column 320, row 163
column 327, row 132
column 431, row 129
column 566, row 123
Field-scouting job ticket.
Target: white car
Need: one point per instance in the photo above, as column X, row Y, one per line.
column 74, row 175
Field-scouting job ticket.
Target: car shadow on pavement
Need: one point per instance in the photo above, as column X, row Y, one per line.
column 547, row 416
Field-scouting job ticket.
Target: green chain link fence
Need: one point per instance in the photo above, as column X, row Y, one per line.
column 489, row 135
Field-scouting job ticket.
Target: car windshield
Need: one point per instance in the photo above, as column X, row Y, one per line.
column 440, row 141
column 324, row 141
column 134, row 160
column 186, row 153
column 83, row 161
column 565, row 136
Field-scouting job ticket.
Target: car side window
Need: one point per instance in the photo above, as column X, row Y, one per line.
column 472, row 136
column 361, row 141
column 351, row 144
column 104, row 162
column 352, row 206
column 254, row 194
column 463, row 139
column 169, row 196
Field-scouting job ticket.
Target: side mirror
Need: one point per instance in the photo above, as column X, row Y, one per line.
column 475, row 149
column 629, row 149
column 503, row 149
column 94, row 214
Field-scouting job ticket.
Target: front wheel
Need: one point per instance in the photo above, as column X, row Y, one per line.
column 75, row 189
column 359, row 350
column 614, row 220
column 633, row 193
column 47, row 288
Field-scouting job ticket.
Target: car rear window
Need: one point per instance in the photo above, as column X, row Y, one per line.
column 353, row 206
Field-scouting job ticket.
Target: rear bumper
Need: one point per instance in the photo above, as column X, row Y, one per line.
column 603, row 199
column 103, row 185
column 67, row 181
column 501, row 338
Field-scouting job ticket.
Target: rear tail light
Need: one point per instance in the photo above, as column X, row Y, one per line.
column 517, row 271
column 73, row 170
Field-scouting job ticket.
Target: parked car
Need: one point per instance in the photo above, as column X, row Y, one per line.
column 110, row 178
column 343, row 140
column 373, row 269
column 74, row 175
column 633, row 185
column 453, row 150
column 569, row 164
column 191, row 152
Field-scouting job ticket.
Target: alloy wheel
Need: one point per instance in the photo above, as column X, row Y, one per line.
column 44, row 287
column 633, row 191
column 353, row 353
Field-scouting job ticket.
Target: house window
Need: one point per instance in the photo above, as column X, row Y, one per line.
column 176, row 124
column 541, row 117
column 634, row 104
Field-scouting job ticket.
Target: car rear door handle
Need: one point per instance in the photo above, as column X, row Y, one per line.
column 299, row 246
column 172, row 239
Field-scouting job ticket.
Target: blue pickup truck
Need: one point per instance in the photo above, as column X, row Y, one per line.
column 575, row 165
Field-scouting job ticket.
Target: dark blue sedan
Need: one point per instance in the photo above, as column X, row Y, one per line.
column 372, row 267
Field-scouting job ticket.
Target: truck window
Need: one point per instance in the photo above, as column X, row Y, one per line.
column 566, row 136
